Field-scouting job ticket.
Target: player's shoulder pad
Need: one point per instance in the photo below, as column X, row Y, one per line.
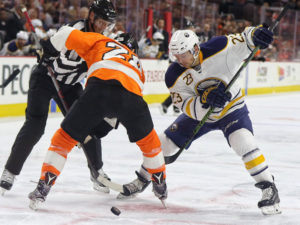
column 12, row 46
column 213, row 46
column 78, row 24
column 173, row 72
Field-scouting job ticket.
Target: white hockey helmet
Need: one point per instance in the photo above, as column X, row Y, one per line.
column 36, row 23
column 183, row 41
column 158, row 36
column 22, row 35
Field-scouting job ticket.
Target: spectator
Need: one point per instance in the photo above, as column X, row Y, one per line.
column 33, row 13
column 46, row 15
column 160, row 26
column 188, row 24
column 39, row 30
column 206, row 34
column 12, row 21
column 83, row 12
column 285, row 53
column 233, row 17
column 259, row 56
column 240, row 26
column 151, row 49
column 17, row 47
column 271, row 53
column 249, row 11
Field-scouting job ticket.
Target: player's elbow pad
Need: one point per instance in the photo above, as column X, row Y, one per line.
column 48, row 48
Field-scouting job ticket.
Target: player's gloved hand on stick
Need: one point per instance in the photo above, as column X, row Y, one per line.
column 215, row 96
column 262, row 37
column 47, row 54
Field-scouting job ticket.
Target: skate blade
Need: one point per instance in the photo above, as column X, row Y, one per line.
column 162, row 110
column 271, row 210
column 35, row 204
column 98, row 188
column 176, row 113
column 124, row 197
column 3, row 191
column 163, row 203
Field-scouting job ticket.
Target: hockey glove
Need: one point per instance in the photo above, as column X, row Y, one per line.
column 47, row 54
column 262, row 37
column 215, row 96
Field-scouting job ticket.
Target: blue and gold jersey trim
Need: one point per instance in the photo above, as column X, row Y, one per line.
column 212, row 47
column 174, row 71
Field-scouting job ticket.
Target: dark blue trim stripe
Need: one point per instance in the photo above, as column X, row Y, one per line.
column 236, row 95
column 240, row 103
column 195, row 102
column 249, row 153
column 262, row 170
column 182, row 106
column 213, row 46
column 172, row 74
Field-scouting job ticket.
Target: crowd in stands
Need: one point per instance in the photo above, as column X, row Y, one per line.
column 206, row 18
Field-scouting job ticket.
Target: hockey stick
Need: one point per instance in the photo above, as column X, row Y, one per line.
column 24, row 11
column 95, row 173
column 10, row 78
column 57, row 88
column 172, row 158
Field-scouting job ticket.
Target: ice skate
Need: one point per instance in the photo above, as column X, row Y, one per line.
column 7, row 181
column 269, row 204
column 97, row 185
column 136, row 186
column 176, row 111
column 163, row 109
column 159, row 186
column 39, row 195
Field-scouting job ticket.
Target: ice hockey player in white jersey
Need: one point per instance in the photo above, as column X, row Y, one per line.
column 197, row 81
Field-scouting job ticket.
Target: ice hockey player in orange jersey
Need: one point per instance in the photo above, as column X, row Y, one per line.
column 114, row 89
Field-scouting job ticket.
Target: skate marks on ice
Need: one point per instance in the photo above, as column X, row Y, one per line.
column 208, row 185
column 97, row 212
column 76, row 207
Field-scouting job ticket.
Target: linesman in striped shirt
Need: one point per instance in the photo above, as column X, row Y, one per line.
column 69, row 69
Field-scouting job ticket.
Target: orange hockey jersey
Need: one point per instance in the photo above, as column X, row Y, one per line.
column 106, row 58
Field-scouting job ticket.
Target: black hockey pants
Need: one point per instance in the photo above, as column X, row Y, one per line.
column 108, row 98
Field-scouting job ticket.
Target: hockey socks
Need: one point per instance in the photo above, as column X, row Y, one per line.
column 61, row 145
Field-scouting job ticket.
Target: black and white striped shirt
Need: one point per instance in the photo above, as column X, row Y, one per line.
column 69, row 68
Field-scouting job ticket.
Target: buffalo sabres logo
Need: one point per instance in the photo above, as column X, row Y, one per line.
column 207, row 83
column 174, row 127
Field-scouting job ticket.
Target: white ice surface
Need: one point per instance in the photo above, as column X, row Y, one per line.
column 207, row 185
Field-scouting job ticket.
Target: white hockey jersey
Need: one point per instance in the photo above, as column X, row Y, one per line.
column 220, row 59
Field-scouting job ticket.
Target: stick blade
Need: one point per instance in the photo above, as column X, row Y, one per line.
column 10, row 78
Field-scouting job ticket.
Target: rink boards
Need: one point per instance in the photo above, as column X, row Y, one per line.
column 257, row 78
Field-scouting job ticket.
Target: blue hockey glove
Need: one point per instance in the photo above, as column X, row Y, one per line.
column 215, row 96
column 262, row 37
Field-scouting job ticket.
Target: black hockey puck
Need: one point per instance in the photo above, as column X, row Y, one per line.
column 115, row 211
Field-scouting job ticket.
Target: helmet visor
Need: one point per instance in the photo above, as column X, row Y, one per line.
column 102, row 26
